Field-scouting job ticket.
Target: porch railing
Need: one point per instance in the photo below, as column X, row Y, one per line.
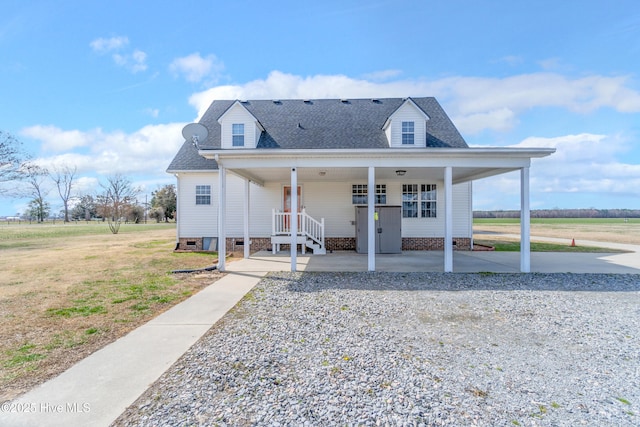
column 307, row 226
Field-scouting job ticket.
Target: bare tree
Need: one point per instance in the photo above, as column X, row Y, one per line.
column 117, row 200
column 11, row 160
column 64, row 177
column 35, row 177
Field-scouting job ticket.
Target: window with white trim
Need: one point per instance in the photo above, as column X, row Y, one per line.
column 410, row 200
column 428, row 200
column 203, row 194
column 359, row 193
column 237, row 134
column 419, row 204
column 408, row 133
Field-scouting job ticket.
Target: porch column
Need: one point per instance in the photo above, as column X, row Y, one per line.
column 525, row 222
column 222, row 203
column 247, row 199
column 294, row 218
column 371, row 223
column 448, row 219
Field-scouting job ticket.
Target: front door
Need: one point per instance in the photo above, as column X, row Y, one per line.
column 286, row 203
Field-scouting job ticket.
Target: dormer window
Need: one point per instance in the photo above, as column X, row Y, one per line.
column 408, row 133
column 237, row 134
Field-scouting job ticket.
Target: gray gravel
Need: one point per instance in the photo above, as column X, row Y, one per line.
column 317, row 349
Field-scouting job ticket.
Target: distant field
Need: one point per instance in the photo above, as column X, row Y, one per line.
column 595, row 229
column 66, row 290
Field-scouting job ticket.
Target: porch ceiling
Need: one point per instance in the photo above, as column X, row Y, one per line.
column 347, row 165
column 333, row 174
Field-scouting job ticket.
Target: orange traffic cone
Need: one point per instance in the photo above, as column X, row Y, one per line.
column 573, row 243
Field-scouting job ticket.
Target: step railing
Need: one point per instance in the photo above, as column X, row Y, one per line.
column 307, row 226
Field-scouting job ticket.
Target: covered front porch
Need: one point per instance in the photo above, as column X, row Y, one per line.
column 445, row 166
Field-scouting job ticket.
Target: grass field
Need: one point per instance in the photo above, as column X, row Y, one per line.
column 590, row 229
column 66, row 290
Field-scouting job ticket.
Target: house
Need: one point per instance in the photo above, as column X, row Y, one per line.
column 373, row 175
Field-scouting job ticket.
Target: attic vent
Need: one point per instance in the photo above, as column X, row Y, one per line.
column 375, row 101
column 344, row 101
column 307, row 101
column 244, row 101
column 277, row 101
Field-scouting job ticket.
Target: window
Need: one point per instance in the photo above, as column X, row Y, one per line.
column 409, row 200
column 408, row 134
column 428, row 196
column 203, row 194
column 237, row 134
column 425, row 199
column 359, row 194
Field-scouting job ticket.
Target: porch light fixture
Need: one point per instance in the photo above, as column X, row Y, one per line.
column 401, row 172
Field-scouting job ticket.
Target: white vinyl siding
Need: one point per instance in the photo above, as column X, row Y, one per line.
column 331, row 201
column 238, row 115
column 197, row 220
column 407, row 114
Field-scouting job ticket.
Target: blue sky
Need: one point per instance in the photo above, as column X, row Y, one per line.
column 107, row 86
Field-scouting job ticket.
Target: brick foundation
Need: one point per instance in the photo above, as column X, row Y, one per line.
column 333, row 244
column 434, row 243
column 340, row 243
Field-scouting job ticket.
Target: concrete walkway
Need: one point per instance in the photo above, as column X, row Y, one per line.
column 95, row 391
column 98, row 389
column 468, row 262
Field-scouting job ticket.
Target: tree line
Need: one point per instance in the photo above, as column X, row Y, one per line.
column 562, row 213
column 116, row 200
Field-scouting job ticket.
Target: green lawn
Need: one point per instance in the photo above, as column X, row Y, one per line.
column 513, row 246
column 14, row 235
column 556, row 221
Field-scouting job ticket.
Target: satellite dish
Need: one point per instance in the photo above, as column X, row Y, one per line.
column 195, row 132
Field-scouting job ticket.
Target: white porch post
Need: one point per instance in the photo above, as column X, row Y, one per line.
column 222, row 203
column 247, row 198
column 294, row 218
column 525, row 222
column 371, row 229
column 448, row 219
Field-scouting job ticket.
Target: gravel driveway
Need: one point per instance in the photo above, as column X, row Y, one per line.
column 324, row 349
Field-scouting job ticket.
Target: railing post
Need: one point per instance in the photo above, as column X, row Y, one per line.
column 322, row 232
column 273, row 222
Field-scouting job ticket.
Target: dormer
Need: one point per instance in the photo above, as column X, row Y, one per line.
column 239, row 128
column 407, row 126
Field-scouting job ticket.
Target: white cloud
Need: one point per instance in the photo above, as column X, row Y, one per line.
column 153, row 112
column 585, row 164
column 474, row 103
column 194, row 68
column 104, row 45
column 133, row 61
column 148, row 150
column 512, row 60
column 383, row 75
column 55, row 139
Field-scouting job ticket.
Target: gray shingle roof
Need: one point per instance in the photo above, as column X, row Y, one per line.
column 322, row 124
